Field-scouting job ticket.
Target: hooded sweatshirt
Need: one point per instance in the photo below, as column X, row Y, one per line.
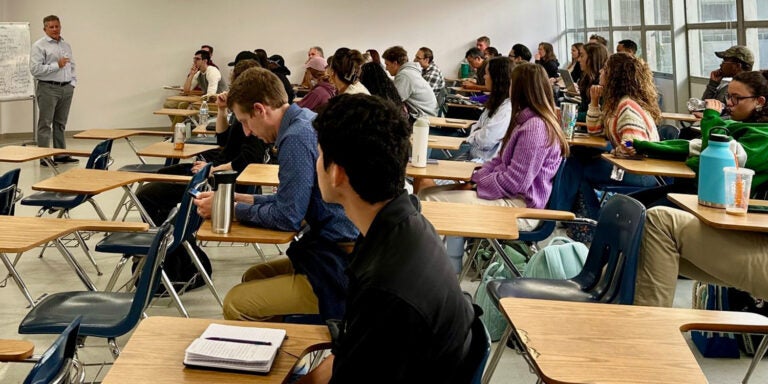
column 416, row 93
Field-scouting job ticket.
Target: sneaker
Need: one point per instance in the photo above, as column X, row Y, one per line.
column 66, row 159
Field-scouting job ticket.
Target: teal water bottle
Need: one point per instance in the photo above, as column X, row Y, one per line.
column 464, row 72
column 713, row 159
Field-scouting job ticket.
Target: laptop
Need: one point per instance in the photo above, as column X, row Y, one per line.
column 570, row 86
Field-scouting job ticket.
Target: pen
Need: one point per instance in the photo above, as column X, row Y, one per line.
column 254, row 342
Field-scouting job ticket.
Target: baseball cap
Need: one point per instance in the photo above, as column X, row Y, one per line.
column 316, row 63
column 277, row 59
column 738, row 52
column 244, row 55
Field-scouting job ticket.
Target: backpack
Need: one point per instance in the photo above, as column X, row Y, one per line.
column 561, row 259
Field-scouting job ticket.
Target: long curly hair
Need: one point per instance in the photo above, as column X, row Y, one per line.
column 627, row 75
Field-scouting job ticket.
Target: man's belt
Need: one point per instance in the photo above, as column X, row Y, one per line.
column 59, row 83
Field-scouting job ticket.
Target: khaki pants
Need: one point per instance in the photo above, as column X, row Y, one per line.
column 676, row 242
column 268, row 291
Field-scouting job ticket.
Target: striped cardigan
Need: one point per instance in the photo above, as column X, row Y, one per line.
column 630, row 122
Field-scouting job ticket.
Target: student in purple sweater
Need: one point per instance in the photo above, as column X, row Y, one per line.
column 531, row 151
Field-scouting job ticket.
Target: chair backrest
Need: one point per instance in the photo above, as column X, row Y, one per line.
column 149, row 279
column 611, row 266
column 668, row 132
column 8, row 186
column 57, row 361
column 99, row 158
column 555, row 202
column 187, row 219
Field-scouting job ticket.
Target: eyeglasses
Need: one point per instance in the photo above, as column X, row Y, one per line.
column 736, row 99
column 419, row 58
column 197, row 58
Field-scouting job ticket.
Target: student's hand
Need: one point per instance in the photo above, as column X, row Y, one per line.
column 714, row 104
column 465, row 187
column 595, row 92
column 221, row 100
column 537, row 57
column 697, row 114
column 192, row 70
column 716, row 75
column 197, row 166
column 63, row 61
column 204, row 203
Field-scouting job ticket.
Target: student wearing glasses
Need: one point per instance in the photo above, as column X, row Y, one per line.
column 676, row 242
column 429, row 70
column 520, row 54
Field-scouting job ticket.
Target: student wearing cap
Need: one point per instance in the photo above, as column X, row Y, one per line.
column 276, row 64
column 736, row 59
column 322, row 90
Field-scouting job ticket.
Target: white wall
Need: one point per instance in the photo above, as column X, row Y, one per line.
column 126, row 50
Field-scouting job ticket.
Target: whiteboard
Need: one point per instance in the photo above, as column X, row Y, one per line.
column 16, row 81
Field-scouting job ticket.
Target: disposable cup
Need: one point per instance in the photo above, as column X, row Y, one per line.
column 737, row 188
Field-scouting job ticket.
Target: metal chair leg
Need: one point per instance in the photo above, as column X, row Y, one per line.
column 759, row 353
column 500, row 347
column 279, row 250
column 172, row 293
column 202, row 271
column 259, row 252
column 87, row 252
column 97, row 208
column 116, row 274
column 470, row 259
column 15, row 276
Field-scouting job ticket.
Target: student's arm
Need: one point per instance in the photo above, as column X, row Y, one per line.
column 489, row 135
column 191, row 81
column 214, row 76
column 595, row 118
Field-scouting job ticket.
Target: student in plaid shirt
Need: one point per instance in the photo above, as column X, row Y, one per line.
column 429, row 71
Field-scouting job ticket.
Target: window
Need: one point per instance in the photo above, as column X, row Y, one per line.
column 656, row 12
column 625, row 12
column 702, row 45
column 659, row 52
column 710, row 11
column 597, row 13
column 757, row 41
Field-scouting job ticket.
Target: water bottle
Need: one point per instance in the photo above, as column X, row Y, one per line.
column 204, row 113
column 464, row 71
column 179, row 136
column 223, row 197
column 713, row 159
column 420, row 141
column 696, row 105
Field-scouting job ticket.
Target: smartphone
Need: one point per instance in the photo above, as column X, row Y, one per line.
column 194, row 192
column 757, row 209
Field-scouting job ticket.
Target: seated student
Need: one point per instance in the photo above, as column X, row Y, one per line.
column 629, row 111
column 531, row 151
column 311, row 280
column 344, row 69
column 747, row 92
column 206, row 47
column 429, row 70
column 407, row 320
column 627, row 46
column 477, row 63
column 595, row 38
column 416, row 93
column 574, row 67
column 491, row 52
column 203, row 76
column 322, row 90
column 377, row 81
column 520, row 54
column 592, row 58
column 237, row 152
column 547, row 59
column 276, row 64
column 675, row 242
column 316, row 51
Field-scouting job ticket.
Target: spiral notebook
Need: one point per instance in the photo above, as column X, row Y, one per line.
column 237, row 348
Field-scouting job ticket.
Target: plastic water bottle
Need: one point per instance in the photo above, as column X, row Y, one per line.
column 204, row 113
column 696, row 105
column 713, row 159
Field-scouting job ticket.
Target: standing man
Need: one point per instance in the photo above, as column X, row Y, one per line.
column 51, row 63
column 407, row 320
column 413, row 89
column 312, row 279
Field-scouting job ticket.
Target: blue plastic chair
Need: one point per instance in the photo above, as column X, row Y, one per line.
column 186, row 222
column 9, row 191
column 57, row 363
column 608, row 275
column 104, row 314
column 64, row 202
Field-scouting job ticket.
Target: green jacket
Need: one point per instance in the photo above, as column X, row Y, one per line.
column 753, row 137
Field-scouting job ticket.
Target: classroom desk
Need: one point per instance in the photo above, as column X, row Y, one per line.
column 259, row 174
column 485, row 222
column 114, row 134
column 241, row 233
column 444, row 169
column 184, row 98
column 443, row 122
column 190, row 114
column 653, row 167
column 469, row 106
column 717, row 218
column 155, row 352
column 95, row 181
column 584, row 140
column 610, row 343
column 465, row 90
column 20, row 154
column 166, row 150
column 683, row 117
column 30, row 232
column 445, row 142
column 15, row 350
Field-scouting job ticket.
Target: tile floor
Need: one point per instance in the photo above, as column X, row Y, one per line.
column 51, row 274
